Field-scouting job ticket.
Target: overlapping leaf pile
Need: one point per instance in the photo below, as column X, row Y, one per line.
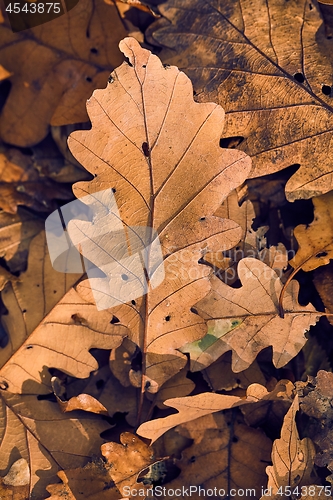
column 200, row 377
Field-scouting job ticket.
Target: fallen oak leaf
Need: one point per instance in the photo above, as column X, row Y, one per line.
column 55, row 67
column 225, row 456
column 46, row 438
column 39, row 336
column 315, row 241
column 270, row 68
column 115, row 479
column 192, row 407
column 21, row 184
column 293, row 458
column 246, row 320
column 84, row 402
column 151, row 99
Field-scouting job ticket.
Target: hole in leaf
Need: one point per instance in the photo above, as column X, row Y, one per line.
column 144, row 65
column 231, row 142
column 202, row 218
column 167, row 318
column 93, row 50
column 114, row 190
column 124, row 277
column 310, row 6
column 326, row 89
column 88, row 79
column 128, row 62
column 299, row 77
column 321, row 254
column 147, row 385
column 235, row 439
column 192, row 459
column 24, row 310
column 193, row 310
column 29, row 346
column 114, row 320
column 133, row 302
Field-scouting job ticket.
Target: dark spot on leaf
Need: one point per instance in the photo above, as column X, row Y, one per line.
column 299, row 77
column 93, row 50
column 88, row 79
column 54, row 291
column 144, row 65
column 114, row 190
column 147, row 385
column 145, row 149
column 24, row 310
column 29, row 346
column 238, row 380
column 235, row 439
column 167, row 318
column 321, row 254
column 192, row 459
column 124, row 277
column 114, row 320
column 326, row 89
column 133, row 302
column 110, row 79
column 202, row 218
column 193, row 310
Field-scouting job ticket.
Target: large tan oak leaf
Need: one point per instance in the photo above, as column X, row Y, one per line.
column 49, row 326
column 55, row 67
column 268, row 63
column 159, row 152
column 226, row 456
column 293, row 458
column 247, row 319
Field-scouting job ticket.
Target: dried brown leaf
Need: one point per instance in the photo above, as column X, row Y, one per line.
column 151, row 101
column 21, row 184
column 84, row 402
column 225, row 455
column 270, row 68
column 316, row 239
column 247, row 319
column 293, row 458
column 55, row 67
column 109, row 480
column 192, row 407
